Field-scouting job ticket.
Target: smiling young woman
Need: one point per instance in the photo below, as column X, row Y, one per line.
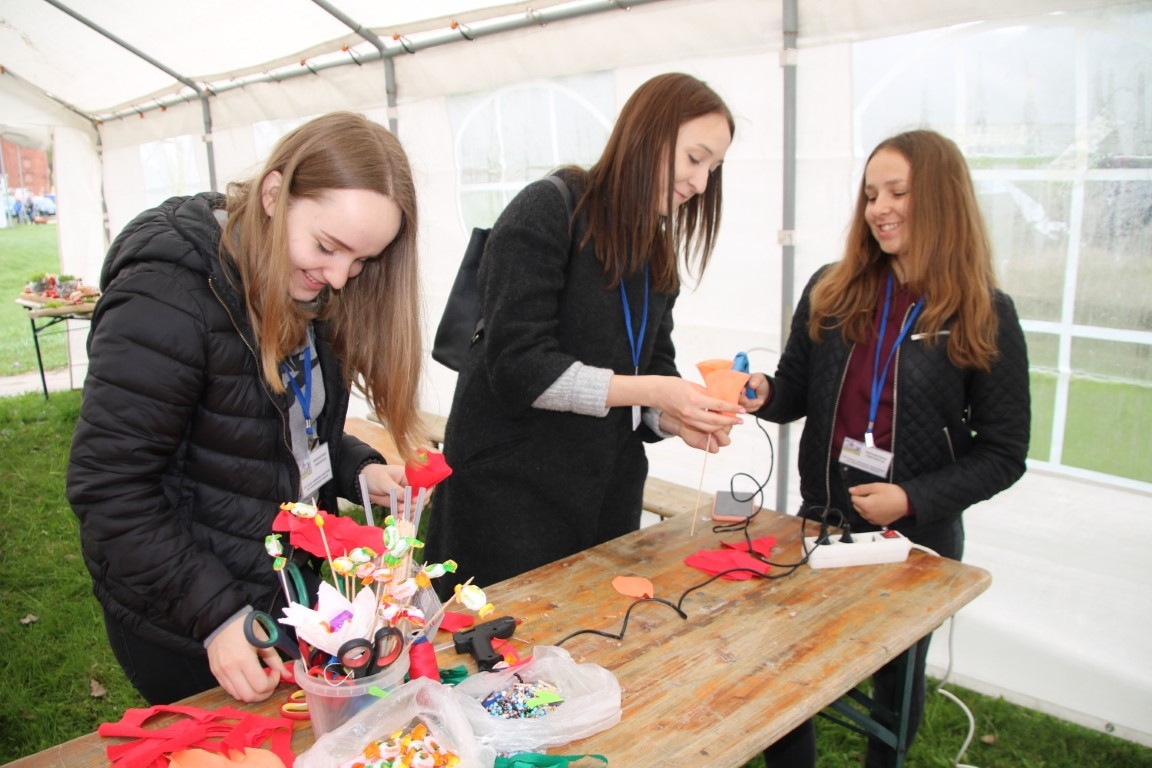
column 222, row 356
column 575, row 370
column 910, row 370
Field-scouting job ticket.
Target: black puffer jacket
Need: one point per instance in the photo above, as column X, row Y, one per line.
column 959, row 436
column 182, row 455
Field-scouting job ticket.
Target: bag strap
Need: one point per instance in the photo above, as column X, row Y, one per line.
column 566, row 192
column 573, row 230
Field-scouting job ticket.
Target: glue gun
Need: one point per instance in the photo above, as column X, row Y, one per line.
column 740, row 363
column 478, row 640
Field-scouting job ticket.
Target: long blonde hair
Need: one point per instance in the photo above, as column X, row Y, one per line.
column 949, row 259
column 374, row 320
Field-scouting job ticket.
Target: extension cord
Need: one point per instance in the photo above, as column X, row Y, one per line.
column 865, row 549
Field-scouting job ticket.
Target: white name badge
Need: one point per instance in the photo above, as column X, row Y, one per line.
column 315, row 471
column 635, row 417
column 872, row 460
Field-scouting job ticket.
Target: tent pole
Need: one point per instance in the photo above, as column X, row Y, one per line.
column 458, row 34
column 788, row 250
column 378, row 44
column 203, row 95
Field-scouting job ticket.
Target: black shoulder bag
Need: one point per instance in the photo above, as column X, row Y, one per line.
column 461, row 325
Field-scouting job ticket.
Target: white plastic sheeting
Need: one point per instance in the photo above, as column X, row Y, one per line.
column 1067, row 557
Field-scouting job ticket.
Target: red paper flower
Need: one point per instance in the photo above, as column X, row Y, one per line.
column 426, row 470
column 343, row 533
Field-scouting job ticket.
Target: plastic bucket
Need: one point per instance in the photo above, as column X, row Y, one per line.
column 331, row 704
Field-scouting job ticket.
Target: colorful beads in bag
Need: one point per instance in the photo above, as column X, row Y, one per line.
column 523, row 700
column 418, row 749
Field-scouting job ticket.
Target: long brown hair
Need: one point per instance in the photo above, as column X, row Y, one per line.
column 949, row 259
column 625, row 186
column 374, row 320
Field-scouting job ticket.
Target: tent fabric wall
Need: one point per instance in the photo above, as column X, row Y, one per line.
column 1055, row 632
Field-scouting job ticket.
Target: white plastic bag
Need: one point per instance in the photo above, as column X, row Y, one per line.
column 591, row 703
column 421, row 699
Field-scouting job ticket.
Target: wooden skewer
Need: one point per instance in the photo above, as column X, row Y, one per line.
column 444, row 608
column 700, row 487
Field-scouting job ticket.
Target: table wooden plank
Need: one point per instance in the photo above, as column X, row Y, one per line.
column 752, row 660
column 59, row 308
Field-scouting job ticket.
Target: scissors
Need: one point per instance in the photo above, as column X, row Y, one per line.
column 363, row 657
column 295, row 707
column 272, row 638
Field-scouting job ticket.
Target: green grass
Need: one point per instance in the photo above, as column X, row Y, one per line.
column 49, row 664
column 1107, row 425
column 51, row 627
column 27, row 250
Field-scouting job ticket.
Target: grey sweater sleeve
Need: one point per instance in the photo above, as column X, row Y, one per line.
column 581, row 389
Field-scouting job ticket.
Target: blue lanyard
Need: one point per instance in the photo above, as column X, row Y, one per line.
column 303, row 397
column 879, row 376
column 635, row 342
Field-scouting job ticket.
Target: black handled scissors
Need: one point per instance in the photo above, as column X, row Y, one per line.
column 273, row 636
column 364, row 657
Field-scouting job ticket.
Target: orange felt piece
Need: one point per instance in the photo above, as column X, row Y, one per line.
column 202, row 758
column 707, row 366
column 633, row 586
column 721, row 380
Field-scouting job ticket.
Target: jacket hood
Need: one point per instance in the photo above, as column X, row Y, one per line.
column 181, row 230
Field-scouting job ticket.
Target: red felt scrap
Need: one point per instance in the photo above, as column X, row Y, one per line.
column 762, row 546
column 426, row 470
column 343, row 533
column 221, row 730
column 454, row 621
column 716, row 561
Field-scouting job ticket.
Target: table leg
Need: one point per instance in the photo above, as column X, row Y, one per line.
column 877, row 722
column 39, row 359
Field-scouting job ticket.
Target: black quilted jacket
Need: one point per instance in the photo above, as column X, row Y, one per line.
column 181, row 455
column 959, row 437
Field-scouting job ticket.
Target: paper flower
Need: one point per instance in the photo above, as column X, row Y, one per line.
column 721, row 380
column 426, row 470
column 343, row 533
column 335, row 621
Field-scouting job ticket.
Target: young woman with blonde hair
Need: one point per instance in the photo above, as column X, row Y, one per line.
column 222, row 354
column 910, row 368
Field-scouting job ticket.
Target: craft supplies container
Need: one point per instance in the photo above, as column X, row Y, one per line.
column 331, row 704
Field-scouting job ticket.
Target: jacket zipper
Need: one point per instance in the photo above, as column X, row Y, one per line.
column 896, row 401
column 832, row 430
column 256, row 359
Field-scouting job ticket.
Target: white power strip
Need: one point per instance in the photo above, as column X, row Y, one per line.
column 865, row 549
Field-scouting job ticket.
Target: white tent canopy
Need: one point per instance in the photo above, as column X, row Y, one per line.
column 140, row 101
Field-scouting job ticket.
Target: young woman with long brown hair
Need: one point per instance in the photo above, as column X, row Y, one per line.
column 221, row 357
column 910, row 367
column 575, row 369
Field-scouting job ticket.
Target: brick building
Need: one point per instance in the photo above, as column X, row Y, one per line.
column 27, row 168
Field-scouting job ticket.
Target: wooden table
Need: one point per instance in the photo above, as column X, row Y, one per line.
column 752, row 661
column 51, row 315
